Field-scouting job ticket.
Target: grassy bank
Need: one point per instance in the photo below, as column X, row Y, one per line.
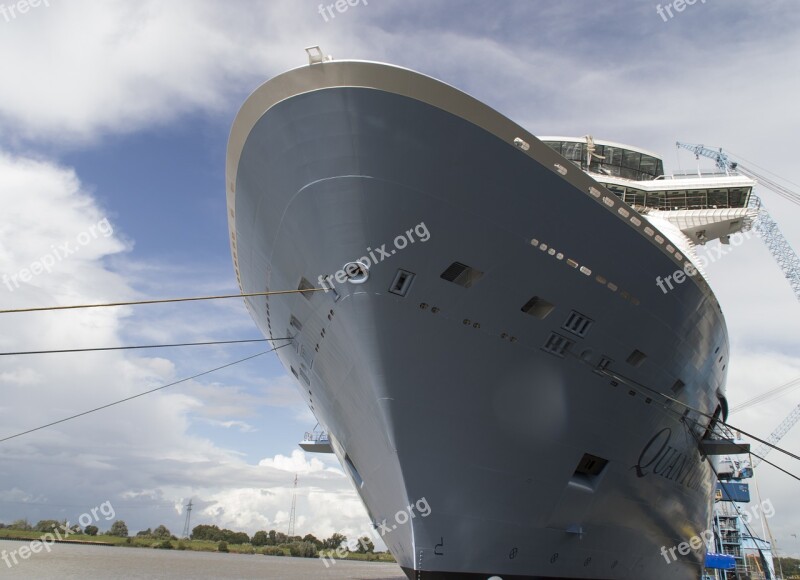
column 194, row 545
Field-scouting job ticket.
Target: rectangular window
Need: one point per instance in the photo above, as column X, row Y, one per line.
column 577, row 324
column 656, row 199
column 636, row 358
column 575, row 152
column 305, row 285
column 538, row 307
column 554, row 145
column 613, row 156
column 631, row 159
column 557, row 345
column 676, row 199
column 590, row 465
column 401, row 283
column 461, row 274
column 697, row 199
column 648, row 165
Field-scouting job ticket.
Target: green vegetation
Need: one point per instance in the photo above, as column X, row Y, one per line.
column 205, row 538
column 791, row 567
column 119, row 529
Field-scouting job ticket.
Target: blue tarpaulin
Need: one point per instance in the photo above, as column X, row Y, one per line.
column 720, row 561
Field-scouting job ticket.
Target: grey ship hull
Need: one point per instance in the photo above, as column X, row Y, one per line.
column 446, row 393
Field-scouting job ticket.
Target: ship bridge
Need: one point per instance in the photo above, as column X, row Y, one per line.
column 703, row 206
column 608, row 158
column 637, row 177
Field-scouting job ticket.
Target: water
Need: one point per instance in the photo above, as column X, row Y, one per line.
column 86, row 562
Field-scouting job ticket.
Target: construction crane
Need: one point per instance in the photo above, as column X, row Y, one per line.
column 781, row 429
column 776, row 435
column 764, row 225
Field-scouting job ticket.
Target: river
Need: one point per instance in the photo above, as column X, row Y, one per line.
column 86, row 562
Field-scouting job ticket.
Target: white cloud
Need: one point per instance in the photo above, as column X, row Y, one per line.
column 144, row 456
column 118, row 66
column 297, row 463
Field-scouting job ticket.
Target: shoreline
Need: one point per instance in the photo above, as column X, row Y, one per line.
column 55, row 541
column 187, row 545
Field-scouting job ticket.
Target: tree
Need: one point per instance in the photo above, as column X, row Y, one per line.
column 334, row 541
column 162, row 533
column 47, row 525
column 119, row 529
column 303, row 550
column 206, row 532
column 260, row 538
column 222, row 547
column 281, row 538
column 90, row 530
column 273, row 541
column 365, row 546
column 312, row 539
column 144, row 533
column 20, row 525
column 236, row 537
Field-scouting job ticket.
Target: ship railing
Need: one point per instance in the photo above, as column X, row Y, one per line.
column 695, row 174
column 316, row 437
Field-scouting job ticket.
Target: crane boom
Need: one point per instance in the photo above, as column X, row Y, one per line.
column 777, row 435
column 764, row 225
column 777, row 245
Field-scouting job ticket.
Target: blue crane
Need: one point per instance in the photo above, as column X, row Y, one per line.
column 764, row 225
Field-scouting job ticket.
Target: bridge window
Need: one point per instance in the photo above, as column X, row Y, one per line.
column 634, row 196
column 738, row 195
column 613, row 156
column 631, row 159
column 656, row 200
column 574, row 152
column 554, row 145
column 718, row 198
column 610, row 160
column 617, row 190
column 676, row 199
column 648, row 164
column 697, row 199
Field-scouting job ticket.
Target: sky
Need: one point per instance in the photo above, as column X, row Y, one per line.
column 114, row 118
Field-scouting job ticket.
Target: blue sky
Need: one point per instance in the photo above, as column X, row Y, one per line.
column 121, row 111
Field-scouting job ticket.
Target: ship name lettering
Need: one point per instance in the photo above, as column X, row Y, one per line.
column 658, row 457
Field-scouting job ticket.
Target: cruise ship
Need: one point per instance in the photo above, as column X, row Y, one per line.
column 513, row 333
